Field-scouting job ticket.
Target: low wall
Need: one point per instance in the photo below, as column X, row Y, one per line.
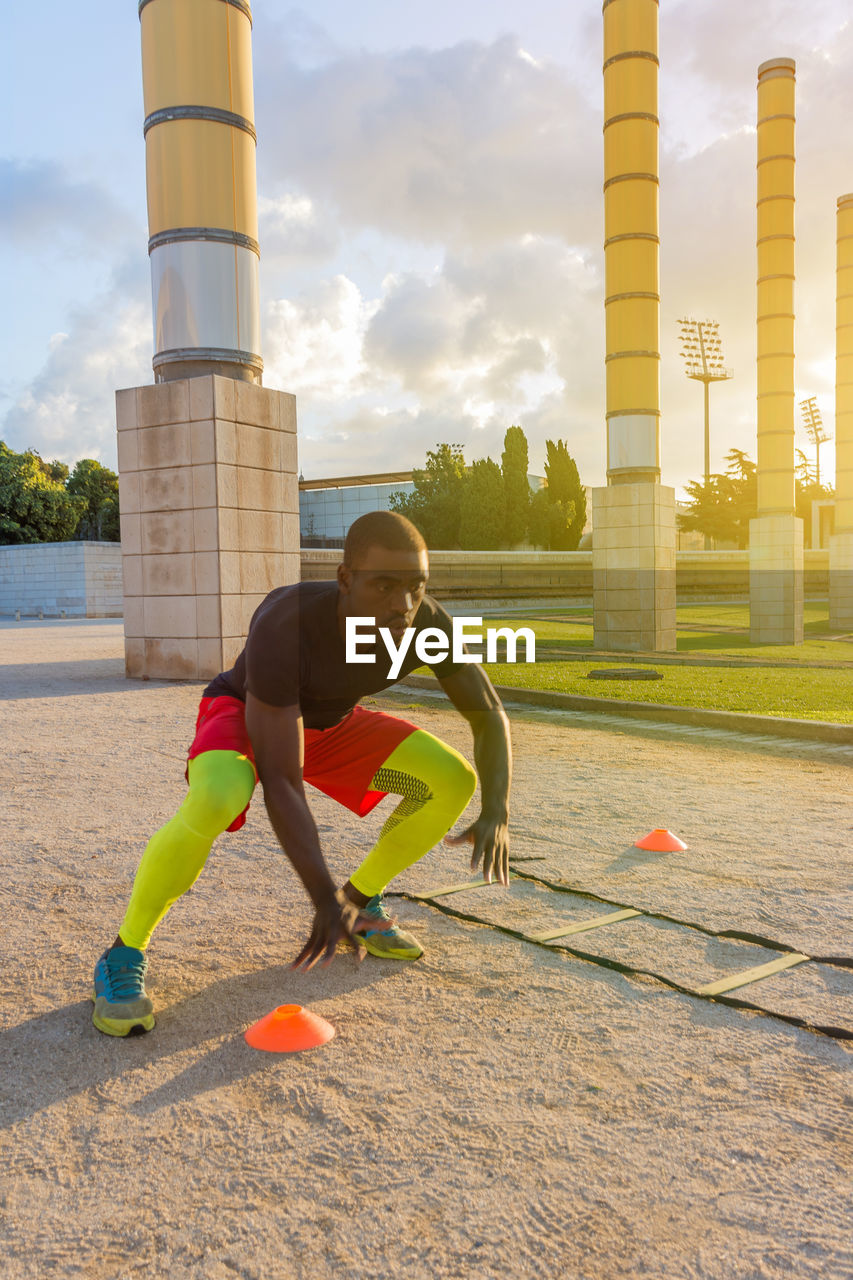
column 79, row 579
column 567, row 575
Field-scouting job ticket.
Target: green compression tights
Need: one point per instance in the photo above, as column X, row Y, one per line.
column 434, row 781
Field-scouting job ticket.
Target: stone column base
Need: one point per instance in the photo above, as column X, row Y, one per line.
column 633, row 567
column 841, row 582
column 776, row 580
column 209, row 494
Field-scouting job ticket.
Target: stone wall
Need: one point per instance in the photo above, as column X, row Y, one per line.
column 79, row 579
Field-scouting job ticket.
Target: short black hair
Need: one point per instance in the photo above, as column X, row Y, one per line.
column 387, row 529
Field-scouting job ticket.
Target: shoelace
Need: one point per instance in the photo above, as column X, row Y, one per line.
column 126, row 981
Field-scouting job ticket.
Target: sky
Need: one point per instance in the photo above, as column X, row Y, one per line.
column 431, row 222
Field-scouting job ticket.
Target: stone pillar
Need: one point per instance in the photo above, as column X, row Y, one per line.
column 634, row 516
column 209, row 518
column 841, row 543
column 776, row 536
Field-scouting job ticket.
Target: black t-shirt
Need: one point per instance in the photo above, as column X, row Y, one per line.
column 295, row 654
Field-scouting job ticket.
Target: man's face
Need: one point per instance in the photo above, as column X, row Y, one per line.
column 386, row 585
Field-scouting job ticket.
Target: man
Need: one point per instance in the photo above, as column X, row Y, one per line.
column 287, row 713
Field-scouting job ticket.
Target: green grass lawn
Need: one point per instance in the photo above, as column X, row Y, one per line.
column 816, row 694
column 820, row 692
column 816, row 647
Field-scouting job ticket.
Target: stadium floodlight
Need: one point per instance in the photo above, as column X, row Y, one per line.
column 702, row 352
column 813, row 423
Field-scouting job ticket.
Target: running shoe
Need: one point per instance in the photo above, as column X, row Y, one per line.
column 393, row 943
column 121, row 1005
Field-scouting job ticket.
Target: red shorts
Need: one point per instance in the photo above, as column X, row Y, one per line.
column 340, row 761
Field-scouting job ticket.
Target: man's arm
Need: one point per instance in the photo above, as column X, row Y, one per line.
column 472, row 693
column 278, row 743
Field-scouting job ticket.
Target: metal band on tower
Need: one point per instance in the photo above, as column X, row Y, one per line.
column 202, row 191
column 631, row 245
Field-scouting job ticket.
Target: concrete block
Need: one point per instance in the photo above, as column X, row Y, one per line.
column 260, row 531
column 232, row 647
column 168, row 575
column 229, row 573
column 258, row 447
column 172, row 617
column 202, row 441
column 134, row 622
column 223, row 398
column 201, row 398
column 126, row 415
column 208, row 619
column 207, row 572
column 259, row 572
column 134, row 656
column 128, row 492
column 226, row 484
column 163, row 403
column 259, row 490
column 131, row 534
column 256, row 405
column 204, row 485
column 166, row 490
column 289, row 454
column 167, row 446
column 167, row 532
column 132, row 576
column 225, row 434
column 232, row 617
column 287, row 413
column 229, row 529
column 248, row 605
column 209, row 658
column 171, row 659
column 128, row 451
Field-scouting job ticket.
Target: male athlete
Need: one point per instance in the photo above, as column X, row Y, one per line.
column 287, row 713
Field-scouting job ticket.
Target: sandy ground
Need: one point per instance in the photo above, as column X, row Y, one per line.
column 493, row 1110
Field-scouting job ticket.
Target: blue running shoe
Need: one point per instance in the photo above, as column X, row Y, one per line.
column 393, row 943
column 121, row 1005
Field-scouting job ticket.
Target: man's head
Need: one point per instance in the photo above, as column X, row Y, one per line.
column 384, row 570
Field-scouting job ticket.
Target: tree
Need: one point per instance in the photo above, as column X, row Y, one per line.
column 34, row 503
column 482, row 526
column 98, row 487
column 723, row 508
column 557, row 513
column 516, row 487
column 435, row 506
column 807, row 491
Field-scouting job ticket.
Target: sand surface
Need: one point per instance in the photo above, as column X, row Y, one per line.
column 493, row 1110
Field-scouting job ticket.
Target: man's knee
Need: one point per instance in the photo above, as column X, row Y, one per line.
column 455, row 780
column 219, row 791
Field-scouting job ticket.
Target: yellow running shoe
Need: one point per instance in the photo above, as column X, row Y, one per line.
column 393, row 943
column 121, row 1004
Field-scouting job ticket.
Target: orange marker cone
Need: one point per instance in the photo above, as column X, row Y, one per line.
column 288, row 1029
column 661, row 841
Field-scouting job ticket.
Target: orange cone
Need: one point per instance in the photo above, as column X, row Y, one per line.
column 288, row 1029
column 661, row 841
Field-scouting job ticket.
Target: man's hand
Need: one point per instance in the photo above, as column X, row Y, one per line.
column 490, row 838
column 338, row 920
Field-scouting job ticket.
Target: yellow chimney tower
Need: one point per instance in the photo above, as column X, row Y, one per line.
column 841, row 543
column 776, row 536
column 634, row 516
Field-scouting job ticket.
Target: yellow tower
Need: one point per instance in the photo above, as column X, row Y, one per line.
column 841, row 543
column 207, row 456
column 776, row 536
column 202, row 192
column 634, row 516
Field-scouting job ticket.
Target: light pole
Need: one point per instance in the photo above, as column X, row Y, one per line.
column 813, row 423
column 703, row 361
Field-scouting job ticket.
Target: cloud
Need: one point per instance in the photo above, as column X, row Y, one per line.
column 67, row 411
column 295, row 233
column 40, row 205
column 463, row 145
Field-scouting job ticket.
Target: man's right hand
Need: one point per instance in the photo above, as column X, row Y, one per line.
column 338, row 920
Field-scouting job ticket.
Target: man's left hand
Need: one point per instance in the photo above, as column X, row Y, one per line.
column 490, row 838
